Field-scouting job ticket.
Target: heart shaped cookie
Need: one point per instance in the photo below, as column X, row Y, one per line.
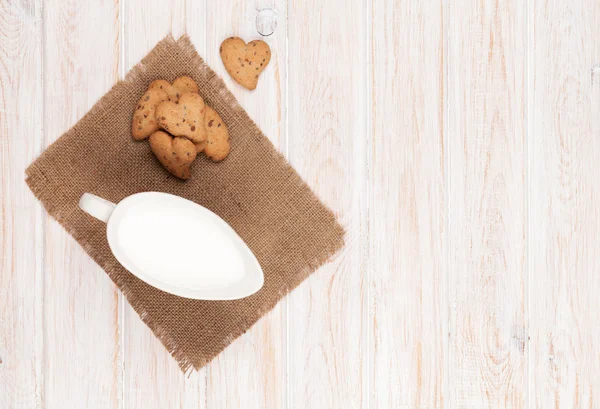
column 175, row 154
column 217, row 136
column 244, row 62
column 144, row 118
column 184, row 117
column 180, row 86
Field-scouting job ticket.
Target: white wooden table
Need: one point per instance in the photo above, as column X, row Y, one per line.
column 457, row 141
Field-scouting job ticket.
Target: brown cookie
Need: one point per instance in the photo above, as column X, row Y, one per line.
column 185, row 84
column 175, row 154
column 183, row 118
column 166, row 87
column 144, row 118
column 244, row 62
column 180, row 86
column 217, row 136
column 200, row 146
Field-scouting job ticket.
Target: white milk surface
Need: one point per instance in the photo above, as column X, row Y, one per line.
column 179, row 245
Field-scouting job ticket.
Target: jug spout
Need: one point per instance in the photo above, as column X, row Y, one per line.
column 97, row 207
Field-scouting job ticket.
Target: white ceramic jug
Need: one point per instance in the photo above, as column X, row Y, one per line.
column 177, row 246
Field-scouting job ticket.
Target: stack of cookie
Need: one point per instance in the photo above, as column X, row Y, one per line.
column 179, row 125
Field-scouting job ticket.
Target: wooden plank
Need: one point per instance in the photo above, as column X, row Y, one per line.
column 250, row 373
column 21, row 231
column 564, row 218
column 407, row 207
column 152, row 377
column 487, row 204
column 327, row 137
column 81, row 305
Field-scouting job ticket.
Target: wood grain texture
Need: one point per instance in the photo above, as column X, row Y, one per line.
column 256, row 360
column 487, row 205
column 327, row 110
column 21, row 226
column 564, row 197
column 81, row 340
column 407, row 207
column 152, row 377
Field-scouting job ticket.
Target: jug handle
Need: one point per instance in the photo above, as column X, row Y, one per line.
column 95, row 206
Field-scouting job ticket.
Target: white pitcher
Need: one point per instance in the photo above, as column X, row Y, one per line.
column 177, row 246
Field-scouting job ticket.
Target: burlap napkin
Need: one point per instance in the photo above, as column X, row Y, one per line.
column 255, row 190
